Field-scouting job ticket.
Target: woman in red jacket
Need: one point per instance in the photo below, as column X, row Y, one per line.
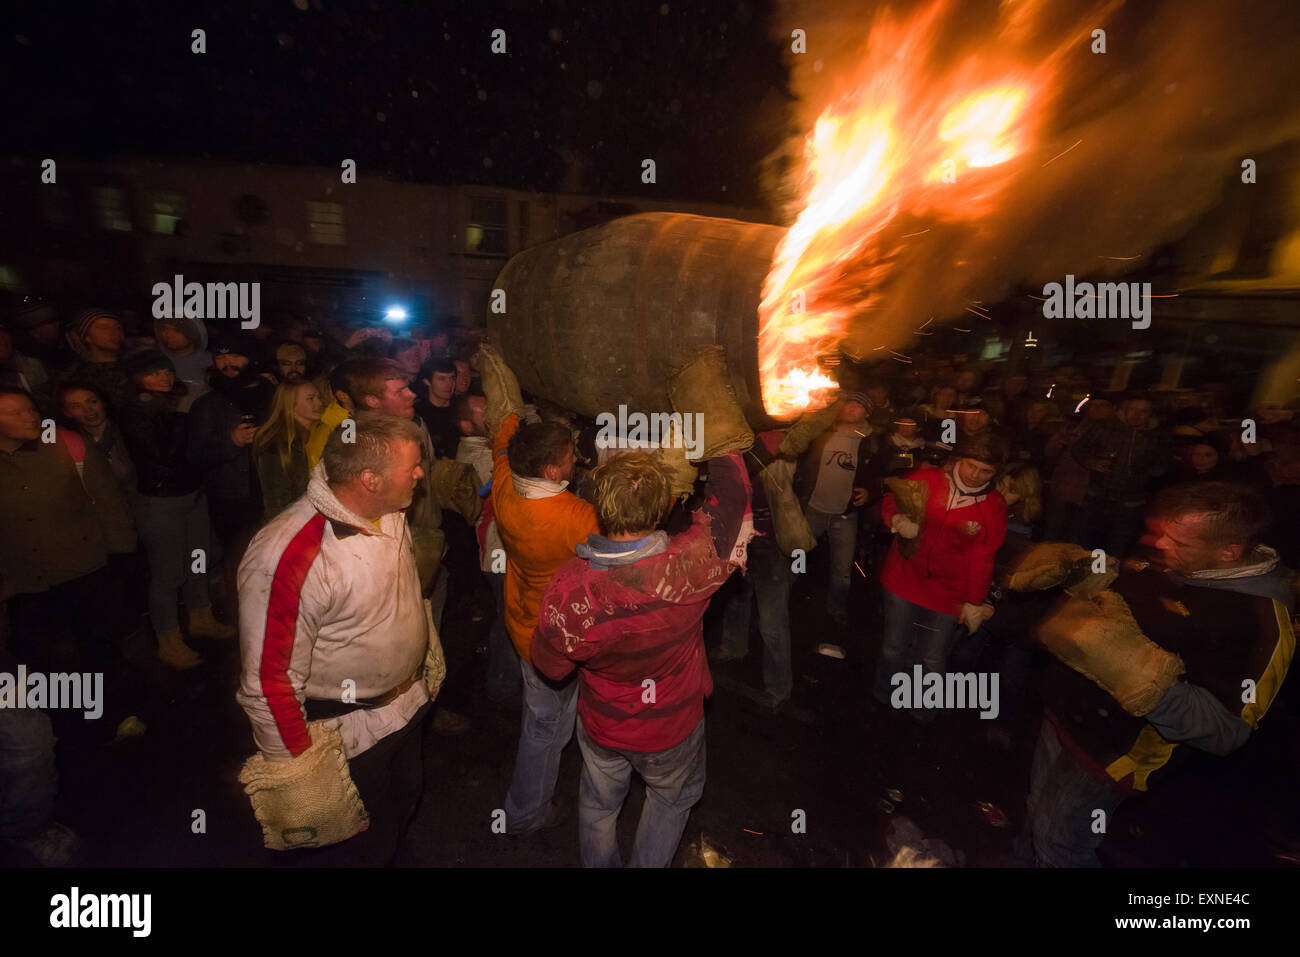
column 945, row 580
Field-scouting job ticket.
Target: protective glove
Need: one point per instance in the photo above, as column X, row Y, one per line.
column 455, row 485
column 1099, row 638
column 904, row 526
column 672, row 456
column 972, row 616
column 435, row 665
column 1049, row 564
column 500, row 388
column 307, row 801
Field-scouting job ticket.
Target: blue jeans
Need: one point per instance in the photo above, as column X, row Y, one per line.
column 769, row 580
column 674, row 782
column 546, row 727
column 1062, row 805
column 28, row 779
column 503, row 682
column 171, row 527
column 841, row 533
column 913, row 635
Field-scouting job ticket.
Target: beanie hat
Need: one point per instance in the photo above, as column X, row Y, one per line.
column 143, row 363
column 81, row 324
column 860, row 398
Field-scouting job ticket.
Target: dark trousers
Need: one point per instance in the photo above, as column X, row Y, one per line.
column 80, row 626
column 390, row 779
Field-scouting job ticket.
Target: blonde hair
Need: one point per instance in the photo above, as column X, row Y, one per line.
column 1022, row 479
column 632, row 493
column 281, row 431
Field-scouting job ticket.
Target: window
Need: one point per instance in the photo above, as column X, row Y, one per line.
column 167, row 209
column 110, row 209
column 486, row 232
column 325, row 223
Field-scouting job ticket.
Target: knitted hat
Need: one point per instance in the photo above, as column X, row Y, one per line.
column 859, row 397
column 987, row 447
column 80, row 325
column 143, row 363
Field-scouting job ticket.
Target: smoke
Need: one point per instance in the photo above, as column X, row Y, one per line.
column 1130, row 146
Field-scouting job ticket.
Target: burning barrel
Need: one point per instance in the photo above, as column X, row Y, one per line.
column 603, row 316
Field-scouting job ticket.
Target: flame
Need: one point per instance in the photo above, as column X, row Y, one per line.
column 900, row 141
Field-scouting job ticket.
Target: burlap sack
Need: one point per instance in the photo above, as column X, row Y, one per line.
column 787, row 517
column 455, row 486
column 911, row 497
column 429, row 545
column 1048, row 564
column 435, row 665
column 500, row 388
column 672, row 456
column 307, row 801
column 1099, row 638
column 810, row 425
column 702, row 385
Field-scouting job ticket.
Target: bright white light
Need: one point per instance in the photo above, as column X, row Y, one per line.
column 395, row 314
column 1083, row 403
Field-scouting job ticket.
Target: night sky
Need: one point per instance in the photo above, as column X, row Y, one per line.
column 584, row 93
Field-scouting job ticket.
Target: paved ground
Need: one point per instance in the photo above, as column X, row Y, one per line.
column 854, row 774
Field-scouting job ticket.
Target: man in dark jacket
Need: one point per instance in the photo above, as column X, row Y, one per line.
column 62, row 516
column 221, row 426
column 628, row 613
column 97, row 337
column 832, row 482
column 1217, row 606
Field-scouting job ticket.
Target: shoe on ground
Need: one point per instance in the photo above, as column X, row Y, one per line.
column 831, row 650
column 720, row 657
column 786, row 708
column 449, row 722
column 173, row 651
column 204, row 625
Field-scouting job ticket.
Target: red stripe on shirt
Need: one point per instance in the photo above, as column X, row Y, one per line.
column 277, row 637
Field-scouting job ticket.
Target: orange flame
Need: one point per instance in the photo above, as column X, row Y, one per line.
column 898, row 143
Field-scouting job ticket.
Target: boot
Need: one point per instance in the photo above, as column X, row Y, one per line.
column 174, row 652
column 203, row 625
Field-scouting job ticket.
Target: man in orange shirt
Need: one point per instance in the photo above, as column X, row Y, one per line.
column 540, row 523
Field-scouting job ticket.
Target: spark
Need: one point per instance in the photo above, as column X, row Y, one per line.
column 980, row 314
column 910, row 235
column 859, row 568
column 1059, row 155
column 748, row 831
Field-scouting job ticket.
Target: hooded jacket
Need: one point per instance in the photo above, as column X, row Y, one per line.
column 190, row 369
column 326, row 597
column 1229, row 626
column 627, row 612
column 227, row 468
column 953, row 563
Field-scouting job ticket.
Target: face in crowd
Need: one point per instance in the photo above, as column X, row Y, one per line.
column 307, row 405
column 397, row 399
column 159, row 380
column 230, row 364
column 292, row 363
column 442, row 386
column 1185, row 545
column 84, row 407
column 19, row 420
column 105, row 334
column 974, row 473
column 172, row 338
column 396, row 485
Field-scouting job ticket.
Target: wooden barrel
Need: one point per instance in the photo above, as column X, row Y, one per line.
column 601, row 317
